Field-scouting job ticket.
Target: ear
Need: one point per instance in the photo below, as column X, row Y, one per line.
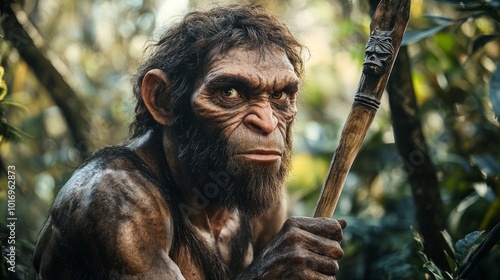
column 155, row 93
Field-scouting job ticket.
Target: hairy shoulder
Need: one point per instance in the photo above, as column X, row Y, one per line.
column 113, row 214
column 114, row 192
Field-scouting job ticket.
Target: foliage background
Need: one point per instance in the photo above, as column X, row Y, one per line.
column 100, row 44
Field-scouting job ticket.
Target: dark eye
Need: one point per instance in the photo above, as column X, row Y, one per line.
column 279, row 95
column 230, row 93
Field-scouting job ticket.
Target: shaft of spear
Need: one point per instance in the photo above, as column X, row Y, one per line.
column 386, row 32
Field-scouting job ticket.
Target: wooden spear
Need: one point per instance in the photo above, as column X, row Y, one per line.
column 386, row 32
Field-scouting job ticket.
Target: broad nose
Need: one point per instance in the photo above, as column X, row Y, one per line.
column 261, row 119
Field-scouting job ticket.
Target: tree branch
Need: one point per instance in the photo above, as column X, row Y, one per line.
column 50, row 71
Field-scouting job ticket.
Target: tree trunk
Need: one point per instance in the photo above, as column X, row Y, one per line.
column 415, row 154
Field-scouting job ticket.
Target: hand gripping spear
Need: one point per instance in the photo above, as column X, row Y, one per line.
column 386, row 32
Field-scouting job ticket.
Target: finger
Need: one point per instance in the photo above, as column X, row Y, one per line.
column 324, row 246
column 323, row 265
column 326, row 227
column 309, row 265
column 296, row 274
column 342, row 223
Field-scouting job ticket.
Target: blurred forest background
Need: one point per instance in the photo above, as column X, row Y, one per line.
column 429, row 169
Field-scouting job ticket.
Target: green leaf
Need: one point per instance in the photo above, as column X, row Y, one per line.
column 15, row 104
column 487, row 164
column 475, row 5
column 3, row 86
column 464, row 245
column 413, row 36
column 448, row 276
column 10, row 133
column 449, row 242
column 423, row 257
column 452, row 262
column 3, row 90
column 418, row 239
column 494, row 91
column 434, row 270
column 480, row 41
column 478, row 252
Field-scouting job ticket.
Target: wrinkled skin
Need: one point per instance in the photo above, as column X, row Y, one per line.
column 110, row 221
column 305, row 248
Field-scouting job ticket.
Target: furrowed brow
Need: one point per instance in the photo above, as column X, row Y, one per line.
column 288, row 87
column 238, row 82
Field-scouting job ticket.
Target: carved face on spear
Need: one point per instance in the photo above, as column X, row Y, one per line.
column 379, row 52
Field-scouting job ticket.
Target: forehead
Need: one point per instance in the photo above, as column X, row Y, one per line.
column 263, row 67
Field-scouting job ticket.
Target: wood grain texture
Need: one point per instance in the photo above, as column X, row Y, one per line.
column 386, row 32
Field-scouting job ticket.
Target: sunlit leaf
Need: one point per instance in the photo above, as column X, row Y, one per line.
column 487, row 164
column 451, row 261
column 10, row 133
column 447, row 275
column 485, row 191
column 418, row 239
column 477, row 253
column 16, row 105
column 494, row 91
column 464, row 245
column 459, row 211
column 413, row 36
column 3, row 90
column 3, row 85
column 422, row 256
column 481, row 41
column 434, row 270
column 449, row 242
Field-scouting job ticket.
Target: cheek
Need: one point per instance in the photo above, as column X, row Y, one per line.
column 215, row 118
column 290, row 116
column 286, row 118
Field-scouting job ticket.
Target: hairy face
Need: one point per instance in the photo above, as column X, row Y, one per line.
column 239, row 135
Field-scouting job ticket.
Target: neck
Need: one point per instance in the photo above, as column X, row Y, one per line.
column 198, row 209
column 146, row 147
column 210, row 220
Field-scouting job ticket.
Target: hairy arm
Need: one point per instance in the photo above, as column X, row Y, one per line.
column 111, row 225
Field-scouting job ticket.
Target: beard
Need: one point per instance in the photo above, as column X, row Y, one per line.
column 224, row 179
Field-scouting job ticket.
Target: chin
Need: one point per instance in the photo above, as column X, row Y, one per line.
column 256, row 187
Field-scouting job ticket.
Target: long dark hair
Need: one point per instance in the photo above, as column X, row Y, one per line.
column 184, row 51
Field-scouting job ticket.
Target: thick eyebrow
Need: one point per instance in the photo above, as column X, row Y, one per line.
column 239, row 82
column 248, row 85
column 290, row 87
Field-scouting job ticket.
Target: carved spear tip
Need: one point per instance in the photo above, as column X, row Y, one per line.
column 387, row 28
